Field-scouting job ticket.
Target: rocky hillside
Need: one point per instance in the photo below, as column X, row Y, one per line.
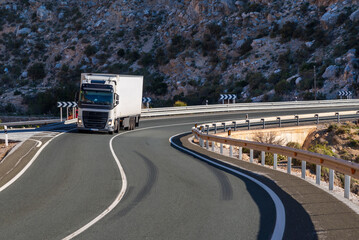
column 188, row 50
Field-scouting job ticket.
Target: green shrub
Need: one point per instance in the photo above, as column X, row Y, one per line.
column 37, row 71
column 322, row 149
column 179, row 103
column 121, row 52
column 146, row 60
column 353, row 143
column 295, row 145
column 90, row 50
column 246, row 47
column 178, row 44
column 17, row 92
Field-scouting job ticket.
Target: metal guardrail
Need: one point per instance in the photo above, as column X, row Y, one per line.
column 349, row 169
column 33, row 122
column 171, row 111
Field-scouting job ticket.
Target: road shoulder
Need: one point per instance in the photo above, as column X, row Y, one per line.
column 331, row 218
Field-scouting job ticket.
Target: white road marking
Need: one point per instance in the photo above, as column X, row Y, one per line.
column 29, row 163
column 280, row 211
column 114, row 203
column 280, row 223
column 39, row 143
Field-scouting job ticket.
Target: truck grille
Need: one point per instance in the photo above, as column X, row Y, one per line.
column 95, row 119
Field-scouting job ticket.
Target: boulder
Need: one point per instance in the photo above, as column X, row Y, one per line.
column 43, row 14
column 354, row 17
column 330, row 72
column 329, row 19
column 239, row 43
column 24, row 31
column 24, row 74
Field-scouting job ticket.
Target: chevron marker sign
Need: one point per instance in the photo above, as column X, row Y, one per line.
column 227, row 96
column 146, row 100
column 66, row 104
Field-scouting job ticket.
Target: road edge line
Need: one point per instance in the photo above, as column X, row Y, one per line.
column 280, row 211
column 114, row 203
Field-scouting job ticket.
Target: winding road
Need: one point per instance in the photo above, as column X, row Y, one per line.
column 169, row 194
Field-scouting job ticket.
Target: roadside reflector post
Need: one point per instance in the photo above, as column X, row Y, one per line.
column 279, row 122
column 251, row 155
column 234, row 126
column 246, row 116
column 61, row 114
column 221, row 148
column 6, row 136
column 240, row 153
column 275, row 157
column 297, row 117
column 249, row 125
column 347, row 186
column 338, row 117
column 263, row 157
column 224, row 127
column 289, row 165
column 304, row 168
column 67, row 113
column 264, row 124
column 331, row 179
column 317, row 116
column 215, row 128
column 318, row 174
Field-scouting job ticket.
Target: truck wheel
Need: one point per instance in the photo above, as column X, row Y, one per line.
column 110, row 132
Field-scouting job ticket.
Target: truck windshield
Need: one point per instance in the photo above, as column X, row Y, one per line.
column 96, row 97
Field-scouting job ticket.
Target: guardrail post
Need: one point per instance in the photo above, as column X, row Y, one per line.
column 234, row 125
column 240, row 153
column 264, row 124
column 331, row 179
column 347, row 186
column 251, row 155
column 207, row 144
column 230, row 146
column 212, row 146
column 221, row 148
column 318, row 174
column 249, row 125
column 224, row 127
column 279, row 121
column 207, row 129
column 215, row 128
column 297, row 117
column 338, row 117
column 246, row 116
column 263, row 157
column 6, row 136
column 275, row 157
column 304, row 168
column 289, row 165
column 317, row 116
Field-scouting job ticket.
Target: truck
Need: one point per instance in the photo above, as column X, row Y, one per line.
column 109, row 102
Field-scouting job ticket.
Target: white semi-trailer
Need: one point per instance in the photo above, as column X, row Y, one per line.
column 109, row 102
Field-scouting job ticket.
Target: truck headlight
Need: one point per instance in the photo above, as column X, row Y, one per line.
column 110, row 122
column 79, row 122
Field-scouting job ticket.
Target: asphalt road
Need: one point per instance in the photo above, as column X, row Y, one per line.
column 170, row 195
